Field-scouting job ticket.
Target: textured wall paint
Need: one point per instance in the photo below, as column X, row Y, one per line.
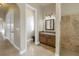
column 48, row 10
column 69, row 8
column 70, row 29
column 70, row 35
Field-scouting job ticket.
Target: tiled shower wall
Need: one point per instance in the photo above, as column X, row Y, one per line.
column 70, row 35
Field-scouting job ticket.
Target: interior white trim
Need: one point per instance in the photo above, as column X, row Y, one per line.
column 23, row 43
column 29, row 6
column 13, row 44
column 29, row 40
column 35, row 22
column 22, row 52
column 57, row 26
column 37, row 43
column 5, row 37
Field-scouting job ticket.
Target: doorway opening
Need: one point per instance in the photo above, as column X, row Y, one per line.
column 30, row 27
column 9, row 39
column 39, row 42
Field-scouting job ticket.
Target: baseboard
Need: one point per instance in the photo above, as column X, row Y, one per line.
column 14, row 45
column 29, row 40
column 37, row 43
column 5, row 37
column 22, row 52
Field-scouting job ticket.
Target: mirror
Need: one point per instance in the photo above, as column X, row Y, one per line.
column 49, row 24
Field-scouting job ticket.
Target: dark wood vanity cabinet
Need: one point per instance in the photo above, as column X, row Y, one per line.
column 51, row 40
column 42, row 36
column 47, row 39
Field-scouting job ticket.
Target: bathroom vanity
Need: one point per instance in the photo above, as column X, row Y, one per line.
column 47, row 35
column 47, row 38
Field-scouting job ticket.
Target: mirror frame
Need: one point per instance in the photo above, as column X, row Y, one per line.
column 51, row 22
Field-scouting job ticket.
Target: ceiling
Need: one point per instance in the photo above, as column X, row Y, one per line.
column 41, row 4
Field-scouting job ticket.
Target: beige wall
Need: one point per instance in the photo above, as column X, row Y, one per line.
column 69, row 8
column 48, row 10
column 2, row 15
column 70, row 29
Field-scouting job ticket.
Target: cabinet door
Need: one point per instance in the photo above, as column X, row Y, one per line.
column 42, row 38
column 51, row 40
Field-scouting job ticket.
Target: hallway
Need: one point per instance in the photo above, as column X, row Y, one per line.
column 6, row 48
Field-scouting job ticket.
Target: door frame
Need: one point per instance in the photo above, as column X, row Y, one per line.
column 58, row 28
column 35, row 23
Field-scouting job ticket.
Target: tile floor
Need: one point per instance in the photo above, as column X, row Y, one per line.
column 6, row 48
column 40, row 50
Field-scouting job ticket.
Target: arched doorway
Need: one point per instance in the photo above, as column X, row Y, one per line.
column 10, row 18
